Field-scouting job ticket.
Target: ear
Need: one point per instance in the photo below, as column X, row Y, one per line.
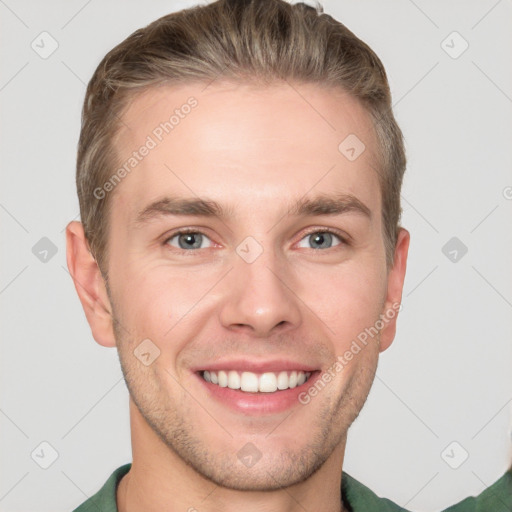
column 396, row 276
column 89, row 285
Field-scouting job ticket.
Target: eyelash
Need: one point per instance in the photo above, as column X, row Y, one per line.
column 343, row 238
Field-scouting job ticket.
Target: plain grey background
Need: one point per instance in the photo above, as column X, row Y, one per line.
column 436, row 427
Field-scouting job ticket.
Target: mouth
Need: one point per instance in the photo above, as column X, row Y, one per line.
column 256, row 393
column 250, row 382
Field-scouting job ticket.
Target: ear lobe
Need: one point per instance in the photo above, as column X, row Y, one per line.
column 89, row 285
column 396, row 277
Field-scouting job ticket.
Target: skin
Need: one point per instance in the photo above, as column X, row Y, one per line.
column 254, row 150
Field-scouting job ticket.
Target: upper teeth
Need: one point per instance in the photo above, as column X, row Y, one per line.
column 253, row 382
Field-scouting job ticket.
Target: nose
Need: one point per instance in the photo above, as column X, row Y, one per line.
column 259, row 298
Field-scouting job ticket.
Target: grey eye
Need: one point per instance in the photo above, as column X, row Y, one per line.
column 190, row 240
column 320, row 240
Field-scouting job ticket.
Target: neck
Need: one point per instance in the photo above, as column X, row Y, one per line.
column 160, row 480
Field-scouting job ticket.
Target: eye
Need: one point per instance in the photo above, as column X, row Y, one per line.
column 321, row 240
column 189, row 240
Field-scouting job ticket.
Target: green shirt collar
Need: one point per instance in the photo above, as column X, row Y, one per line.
column 356, row 497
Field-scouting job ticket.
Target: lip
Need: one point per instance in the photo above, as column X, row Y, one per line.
column 255, row 366
column 256, row 404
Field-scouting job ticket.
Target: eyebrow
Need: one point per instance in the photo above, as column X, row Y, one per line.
column 330, row 205
column 203, row 207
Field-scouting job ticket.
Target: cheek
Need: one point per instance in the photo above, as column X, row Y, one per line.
column 153, row 300
column 347, row 300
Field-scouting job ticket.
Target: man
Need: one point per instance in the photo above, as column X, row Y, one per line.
column 239, row 174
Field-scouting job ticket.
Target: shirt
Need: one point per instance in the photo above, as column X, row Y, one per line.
column 356, row 497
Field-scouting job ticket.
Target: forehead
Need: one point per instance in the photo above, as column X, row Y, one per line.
column 245, row 143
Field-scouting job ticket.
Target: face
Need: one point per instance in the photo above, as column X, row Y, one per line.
column 246, row 251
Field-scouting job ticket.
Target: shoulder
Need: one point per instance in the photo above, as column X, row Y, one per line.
column 496, row 498
column 105, row 499
column 358, row 498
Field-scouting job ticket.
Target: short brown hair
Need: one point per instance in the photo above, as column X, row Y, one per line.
column 241, row 40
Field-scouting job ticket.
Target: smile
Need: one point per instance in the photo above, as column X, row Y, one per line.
column 250, row 382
